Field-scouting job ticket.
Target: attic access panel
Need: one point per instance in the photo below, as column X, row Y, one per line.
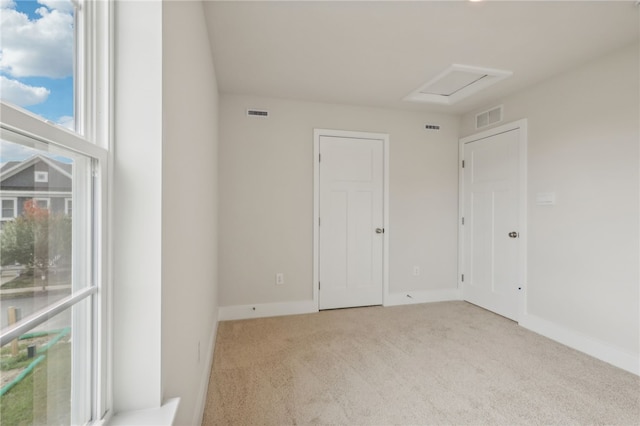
column 456, row 83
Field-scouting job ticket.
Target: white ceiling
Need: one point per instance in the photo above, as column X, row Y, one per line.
column 376, row 53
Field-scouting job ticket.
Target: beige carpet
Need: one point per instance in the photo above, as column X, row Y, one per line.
column 448, row 363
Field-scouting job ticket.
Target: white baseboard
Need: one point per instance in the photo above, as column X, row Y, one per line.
column 204, row 382
column 422, row 296
column 262, row 310
column 596, row 348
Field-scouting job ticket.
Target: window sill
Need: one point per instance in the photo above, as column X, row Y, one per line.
column 164, row 415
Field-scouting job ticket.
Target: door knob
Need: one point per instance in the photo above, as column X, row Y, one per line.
column 379, row 230
column 513, row 234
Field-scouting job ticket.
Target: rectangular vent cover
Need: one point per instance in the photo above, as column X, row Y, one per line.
column 258, row 113
column 489, row 117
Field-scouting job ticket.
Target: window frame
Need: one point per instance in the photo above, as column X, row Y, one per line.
column 44, row 176
column 47, row 200
column 93, row 105
column 15, row 208
column 68, row 210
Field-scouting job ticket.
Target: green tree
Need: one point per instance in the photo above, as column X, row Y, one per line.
column 36, row 239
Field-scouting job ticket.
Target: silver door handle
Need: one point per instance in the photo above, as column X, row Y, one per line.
column 379, row 230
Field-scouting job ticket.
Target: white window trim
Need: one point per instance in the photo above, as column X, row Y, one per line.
column 41, row 176
column 37, row 194
column 15, row 208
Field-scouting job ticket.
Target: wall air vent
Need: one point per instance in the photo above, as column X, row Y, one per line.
column 488, row 117
column 456, row 83
column 261, row 113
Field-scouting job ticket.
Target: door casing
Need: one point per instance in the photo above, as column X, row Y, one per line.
column 317, row 133
column 522, row 205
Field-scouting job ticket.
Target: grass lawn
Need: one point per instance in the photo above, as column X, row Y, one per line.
column 44, row 396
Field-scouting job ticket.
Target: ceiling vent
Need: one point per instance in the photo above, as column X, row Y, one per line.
column 261, row 113
column 456, row 83
column 489, row 117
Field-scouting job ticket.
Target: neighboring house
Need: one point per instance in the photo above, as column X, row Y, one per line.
column 43, row 179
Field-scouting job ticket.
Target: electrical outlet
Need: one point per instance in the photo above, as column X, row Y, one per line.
column 416, row 271
column 279, row 278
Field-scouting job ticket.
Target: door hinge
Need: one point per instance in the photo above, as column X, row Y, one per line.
column 463, row 220
column 319, row 158
column 318, row 221
column 319, row 285
column 463, row 164
column 462, row 277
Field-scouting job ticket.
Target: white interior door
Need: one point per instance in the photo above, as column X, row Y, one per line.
column 491, row 232
column 350, row 222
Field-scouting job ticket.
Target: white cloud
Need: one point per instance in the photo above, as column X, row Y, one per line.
column 21, row 94
column 7, row 4
column 61, row 5
column 42, row 47
column 67, row 122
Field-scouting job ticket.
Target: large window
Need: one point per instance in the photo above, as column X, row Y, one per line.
column 54, row 154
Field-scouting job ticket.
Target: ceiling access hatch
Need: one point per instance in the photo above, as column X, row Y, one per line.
column 456, row 83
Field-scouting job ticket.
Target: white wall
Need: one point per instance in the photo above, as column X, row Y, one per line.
column 583, row 254
column 266, row 196
column 189, row 208
column 137, row 227
column 165, row 207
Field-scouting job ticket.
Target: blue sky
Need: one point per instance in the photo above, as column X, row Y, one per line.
column 28, row 7
column 60, row 100
column 36, row 62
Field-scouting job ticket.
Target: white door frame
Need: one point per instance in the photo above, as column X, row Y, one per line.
column 522, row 205
column 317, row 133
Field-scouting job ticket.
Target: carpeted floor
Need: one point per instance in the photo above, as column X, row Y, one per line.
column 447, row 363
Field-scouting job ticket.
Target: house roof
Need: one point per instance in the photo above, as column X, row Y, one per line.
column 374, row 53
column 12, row 168
column 8, row 165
